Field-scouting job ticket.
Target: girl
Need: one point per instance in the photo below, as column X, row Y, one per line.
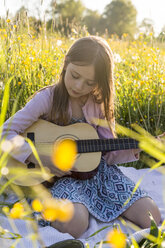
column 86, row 91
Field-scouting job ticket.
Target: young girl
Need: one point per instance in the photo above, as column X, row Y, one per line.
column 86, row 91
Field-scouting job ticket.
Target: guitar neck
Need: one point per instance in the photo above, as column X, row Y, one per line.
column 105, row 145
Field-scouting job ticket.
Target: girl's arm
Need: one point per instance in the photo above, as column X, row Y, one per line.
column 117, row 157
column 37, row 107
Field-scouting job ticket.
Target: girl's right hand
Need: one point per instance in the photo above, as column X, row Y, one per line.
column 47, row 162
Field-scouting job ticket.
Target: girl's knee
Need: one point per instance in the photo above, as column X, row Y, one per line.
column 150, row 207
column 139, row 212
column 154, row 210
column 77, row 225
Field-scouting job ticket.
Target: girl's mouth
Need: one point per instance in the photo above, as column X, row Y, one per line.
column 75, row 93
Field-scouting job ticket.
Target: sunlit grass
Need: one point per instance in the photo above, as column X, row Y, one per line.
column 36, row 61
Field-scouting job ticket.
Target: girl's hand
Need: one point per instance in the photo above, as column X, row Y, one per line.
column 137, row 152
column 47, row 162
column 161, row 137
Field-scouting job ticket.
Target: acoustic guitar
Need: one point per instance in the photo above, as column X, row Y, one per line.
column 89, row 149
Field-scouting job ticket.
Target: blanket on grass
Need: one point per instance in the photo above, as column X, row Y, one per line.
column 153, row 182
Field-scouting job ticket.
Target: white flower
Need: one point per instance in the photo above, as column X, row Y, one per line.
column 117, row 58
column 134, row 57
column 72, row 38
column 59, row 42
column 31, row 58
column 1, row 85
column 18, row 141
column 6, row 146
column 4, row 171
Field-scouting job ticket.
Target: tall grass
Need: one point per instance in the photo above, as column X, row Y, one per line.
column 36, row 61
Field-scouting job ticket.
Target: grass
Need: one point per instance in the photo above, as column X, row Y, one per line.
column 36, row 61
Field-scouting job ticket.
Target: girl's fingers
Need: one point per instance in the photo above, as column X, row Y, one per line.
column 161, row 137
column 74, row 169
column 59, row 173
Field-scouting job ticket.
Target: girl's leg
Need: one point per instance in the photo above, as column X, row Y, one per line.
column 77, row 225
column 138, row 212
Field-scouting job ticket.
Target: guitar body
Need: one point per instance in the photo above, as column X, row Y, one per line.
column 45, row 134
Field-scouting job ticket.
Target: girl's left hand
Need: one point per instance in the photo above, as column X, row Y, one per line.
column 161, row 137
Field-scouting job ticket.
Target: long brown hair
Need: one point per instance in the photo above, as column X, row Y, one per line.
column 86, row 51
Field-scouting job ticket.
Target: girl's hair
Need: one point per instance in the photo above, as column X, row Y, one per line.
column 86, row 51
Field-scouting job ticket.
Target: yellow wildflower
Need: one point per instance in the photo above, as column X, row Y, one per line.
column 8, row 21
column 49, row 214
column 74, row 31
column 37, row 205
column 61, row 210
column 50, row 207
column 116, row 239
column 39, row 75
column 11, row 67
column 125, row 35
column 53, row 72
column 23, row 44
column 17, row 211
column 64, row 154
column 65, row 211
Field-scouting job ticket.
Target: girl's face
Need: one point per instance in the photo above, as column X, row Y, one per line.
column 79, row 80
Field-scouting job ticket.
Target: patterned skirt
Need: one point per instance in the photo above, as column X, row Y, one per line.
column 106, row 196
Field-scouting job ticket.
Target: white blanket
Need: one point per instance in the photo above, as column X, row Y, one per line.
column 152, row 182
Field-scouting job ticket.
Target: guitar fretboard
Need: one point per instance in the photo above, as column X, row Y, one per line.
column 100, row 145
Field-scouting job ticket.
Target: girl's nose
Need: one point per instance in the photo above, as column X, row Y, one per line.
column 79, row 84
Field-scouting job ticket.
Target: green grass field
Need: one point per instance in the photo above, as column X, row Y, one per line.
column 35, row 61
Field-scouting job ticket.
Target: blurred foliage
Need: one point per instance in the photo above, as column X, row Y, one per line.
column 120, row 17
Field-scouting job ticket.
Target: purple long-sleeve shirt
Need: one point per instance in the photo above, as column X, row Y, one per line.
column 39, row 108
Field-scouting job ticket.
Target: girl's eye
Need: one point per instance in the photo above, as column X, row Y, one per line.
column 90, row 83
column 77, row 77
column 74, row 76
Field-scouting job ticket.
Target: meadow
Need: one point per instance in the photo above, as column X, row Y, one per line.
column 33, row 60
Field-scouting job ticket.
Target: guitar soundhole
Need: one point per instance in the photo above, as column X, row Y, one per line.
column 31, row 165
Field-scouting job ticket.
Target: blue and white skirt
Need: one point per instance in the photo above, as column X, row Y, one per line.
column 106, row 196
